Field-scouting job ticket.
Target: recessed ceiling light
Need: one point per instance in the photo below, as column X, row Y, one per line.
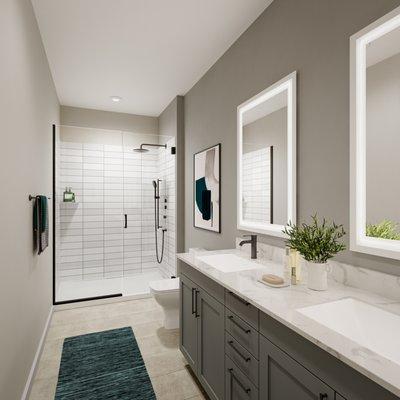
column 116, row 99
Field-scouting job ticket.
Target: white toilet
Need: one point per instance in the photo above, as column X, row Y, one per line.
column 166, row 294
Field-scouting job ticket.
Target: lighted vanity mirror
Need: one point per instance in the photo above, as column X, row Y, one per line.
column 266, row 139
column 375, row 138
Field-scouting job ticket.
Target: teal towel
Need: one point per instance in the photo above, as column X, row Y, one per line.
column 43, row 212
column 40, row 224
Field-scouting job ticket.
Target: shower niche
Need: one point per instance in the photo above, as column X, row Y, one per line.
column 119, row 234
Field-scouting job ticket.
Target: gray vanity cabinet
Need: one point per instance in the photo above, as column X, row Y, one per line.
column 202, row 339
column 282, row 378
column 211, row 345
column 240, row 353
column 188, row 321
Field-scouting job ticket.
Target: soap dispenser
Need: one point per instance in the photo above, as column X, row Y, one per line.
column 295, row 263
column 292, row 266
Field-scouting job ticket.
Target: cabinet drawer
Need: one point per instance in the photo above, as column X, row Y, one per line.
column 241, row 307
column 237, row 385
column 242, row 358
column 242, row 332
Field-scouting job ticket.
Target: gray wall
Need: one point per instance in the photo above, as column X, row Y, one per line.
column 312, row 37
column 28, row 108
column 171, row 123
column 383, row 140
column 271, row 130
column 87, row 118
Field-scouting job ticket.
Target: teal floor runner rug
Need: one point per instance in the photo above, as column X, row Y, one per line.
column 103, row 366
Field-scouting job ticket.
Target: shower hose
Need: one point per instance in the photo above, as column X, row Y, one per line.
column 156, row 226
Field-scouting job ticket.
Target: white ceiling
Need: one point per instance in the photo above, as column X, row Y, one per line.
column 145, row 51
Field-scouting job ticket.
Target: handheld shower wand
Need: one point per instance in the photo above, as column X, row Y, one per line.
column 156, row 186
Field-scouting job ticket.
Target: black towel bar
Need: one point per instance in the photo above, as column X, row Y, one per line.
column 34, row 197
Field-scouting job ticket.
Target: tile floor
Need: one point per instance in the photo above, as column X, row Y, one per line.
column 165, row 364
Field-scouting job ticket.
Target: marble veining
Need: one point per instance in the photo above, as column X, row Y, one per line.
column 283, row 303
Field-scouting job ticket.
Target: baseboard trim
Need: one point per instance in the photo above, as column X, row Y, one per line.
column 31, row 375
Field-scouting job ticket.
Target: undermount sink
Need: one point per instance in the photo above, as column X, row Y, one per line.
column 228, row 262
column 369, row 326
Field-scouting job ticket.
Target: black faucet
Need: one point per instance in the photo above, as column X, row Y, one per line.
column 253, row 242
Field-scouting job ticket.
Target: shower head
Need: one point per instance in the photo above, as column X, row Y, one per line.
column 155, row 184
column 142, row 150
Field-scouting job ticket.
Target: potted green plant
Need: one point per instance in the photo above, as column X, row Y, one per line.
column 317, row 243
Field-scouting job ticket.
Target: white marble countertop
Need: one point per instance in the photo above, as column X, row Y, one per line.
column 283, row 303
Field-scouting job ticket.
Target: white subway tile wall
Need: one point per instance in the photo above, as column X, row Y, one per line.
column 257, row 185
column 112, row 184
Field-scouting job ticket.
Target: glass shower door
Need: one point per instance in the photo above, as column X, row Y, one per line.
column 113, row 211
column 132, row 209
column 89, row 237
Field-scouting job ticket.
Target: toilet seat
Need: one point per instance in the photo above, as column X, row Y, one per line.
column 165, row 285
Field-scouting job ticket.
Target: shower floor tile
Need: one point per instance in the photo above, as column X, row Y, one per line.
column 134, row 285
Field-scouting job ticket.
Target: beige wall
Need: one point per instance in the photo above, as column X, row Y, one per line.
column 28, row 108
column 383, row 140
column 87, row 118
column 312, row 37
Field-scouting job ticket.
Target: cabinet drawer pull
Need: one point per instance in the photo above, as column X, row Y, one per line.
column 247, row 359
column 233, row 376
column 323, row 396
column 193, row 308
column 196, row 314
column 246, row 303
column 238, row 325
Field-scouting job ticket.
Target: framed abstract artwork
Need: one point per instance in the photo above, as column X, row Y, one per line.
column 207, row 189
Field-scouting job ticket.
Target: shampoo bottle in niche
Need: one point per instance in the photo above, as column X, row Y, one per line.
column 69, row 196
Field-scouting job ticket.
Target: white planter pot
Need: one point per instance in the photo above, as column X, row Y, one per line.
column 317, row 276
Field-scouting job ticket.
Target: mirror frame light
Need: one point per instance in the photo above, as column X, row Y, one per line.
column 359, row 241
column 286, row 84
